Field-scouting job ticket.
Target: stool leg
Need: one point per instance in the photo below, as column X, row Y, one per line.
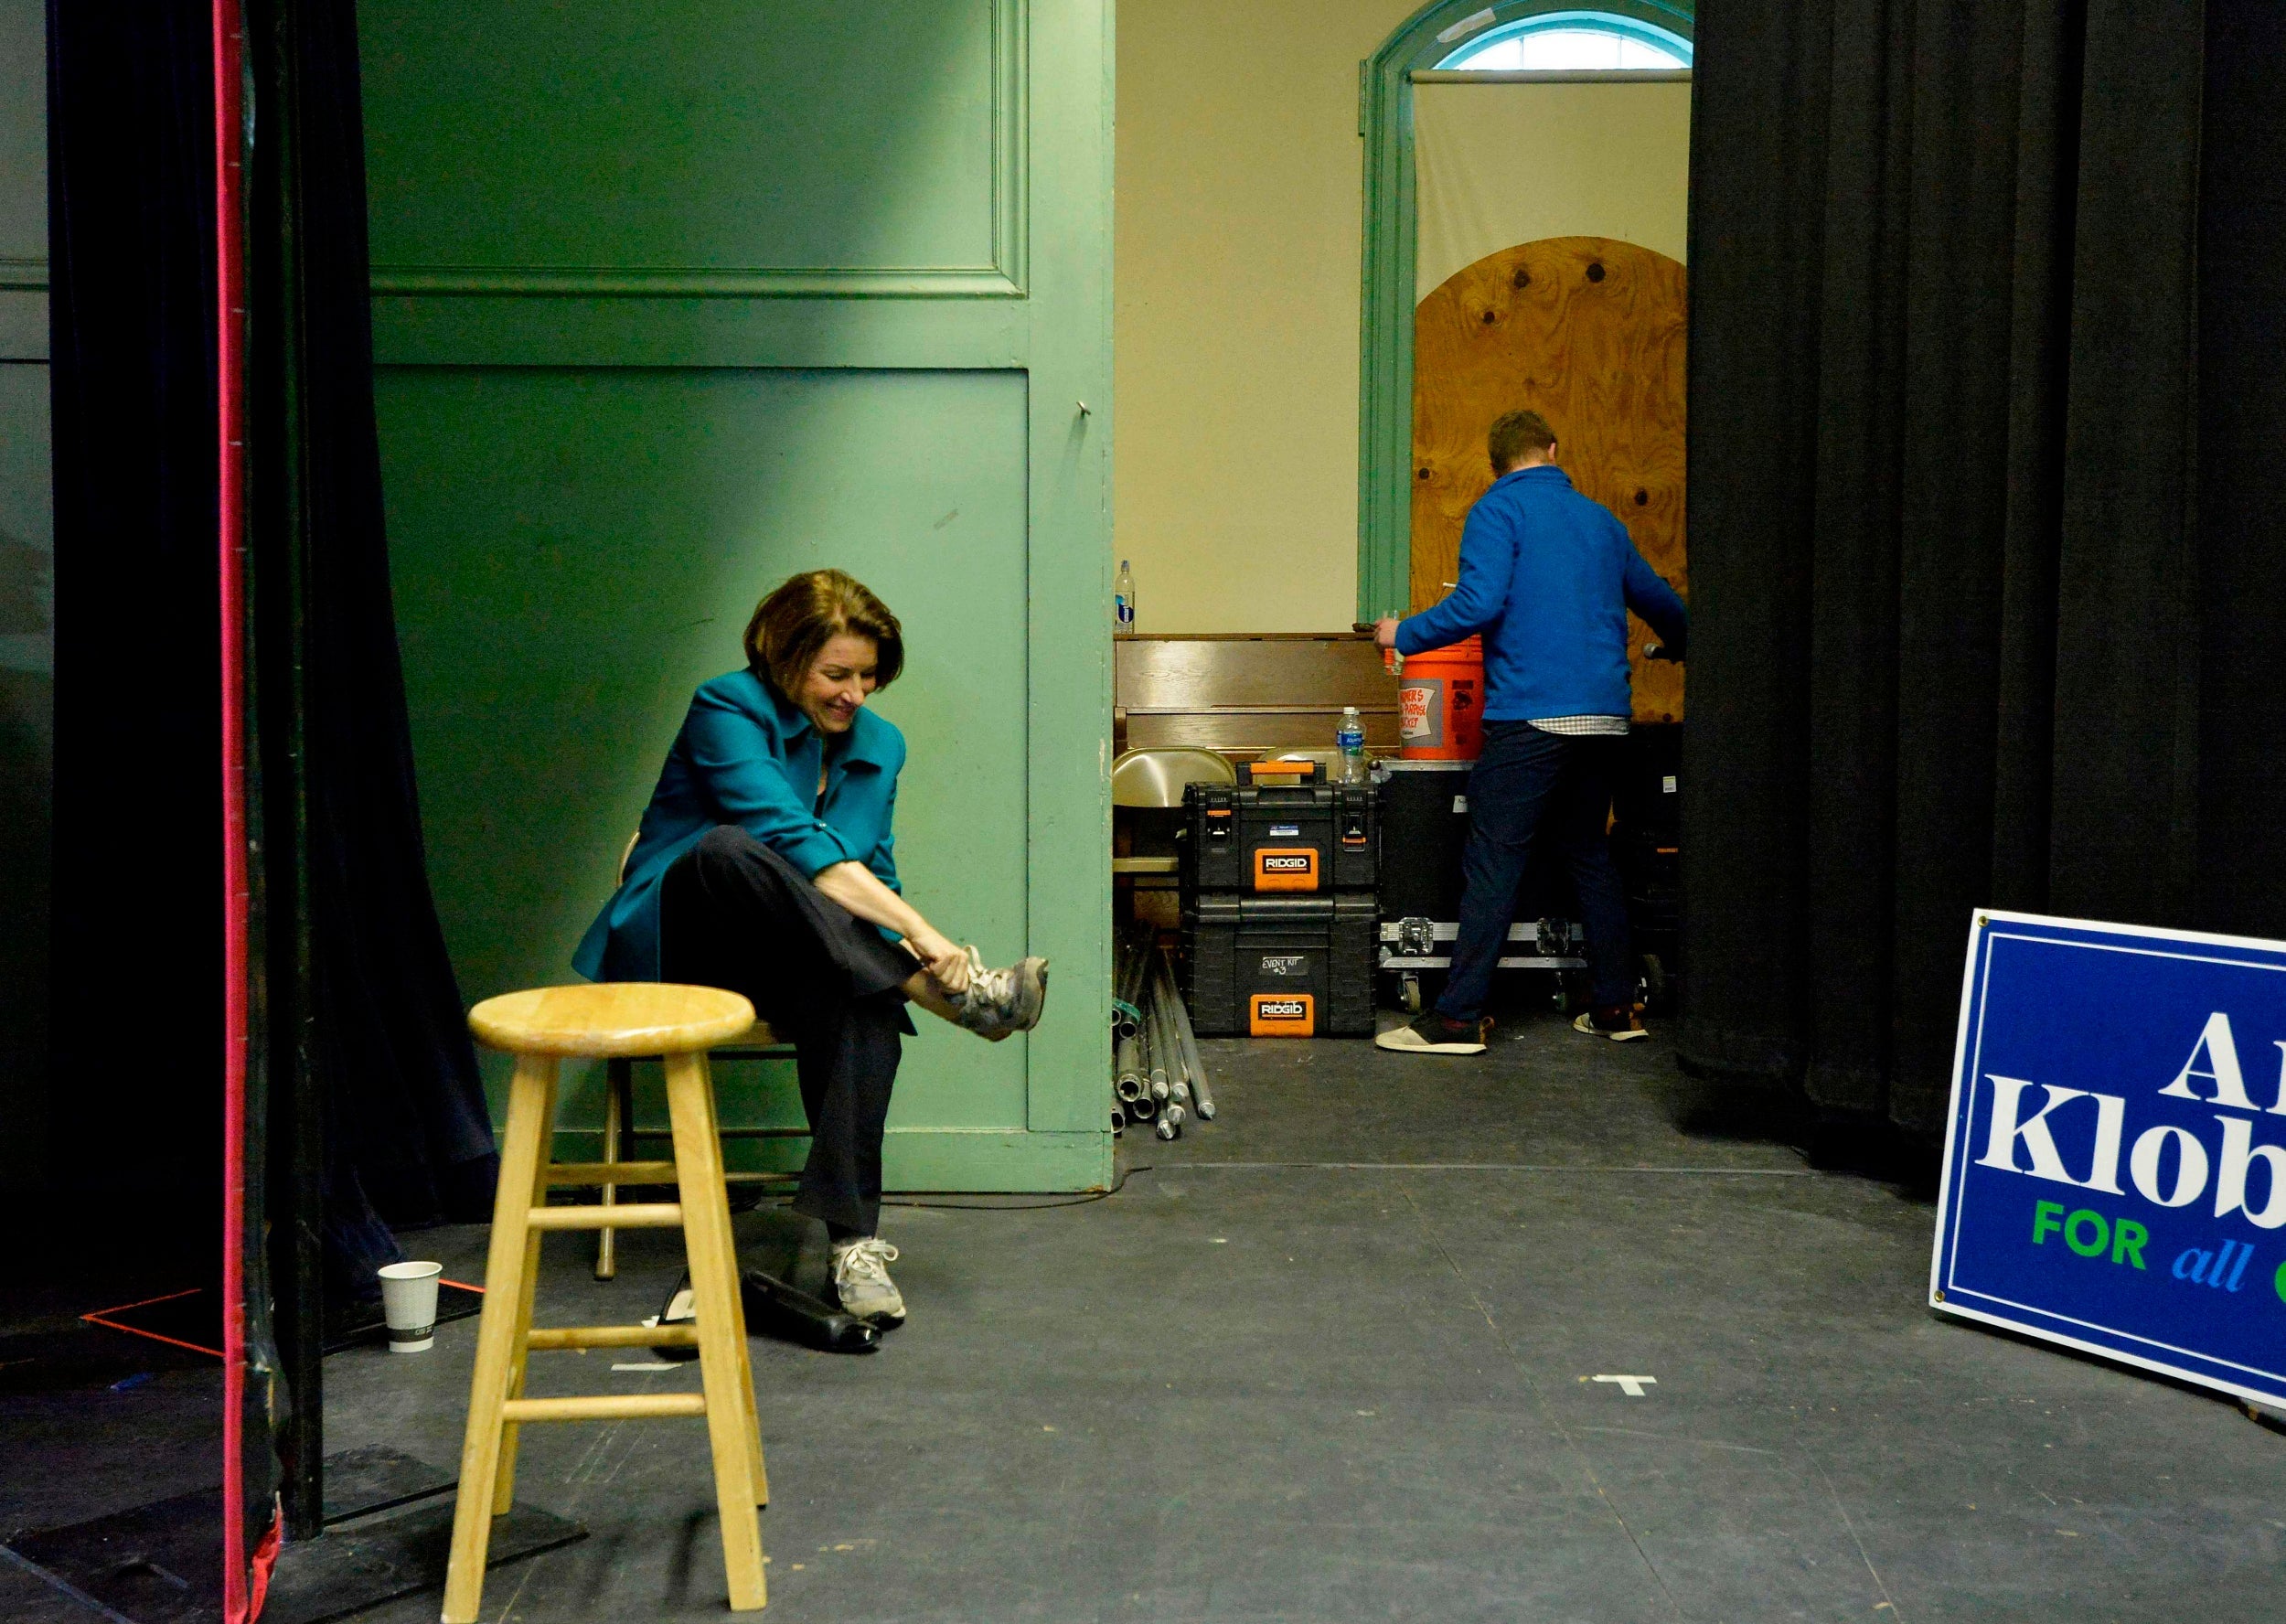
column 618, row 1117
column 745, row 1344
column 721, row 1323
column 501, row 1331
column 504, row 1495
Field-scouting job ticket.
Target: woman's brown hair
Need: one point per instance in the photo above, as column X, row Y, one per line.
column 805, row 613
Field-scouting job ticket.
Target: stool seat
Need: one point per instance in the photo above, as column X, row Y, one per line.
column 608, row 1019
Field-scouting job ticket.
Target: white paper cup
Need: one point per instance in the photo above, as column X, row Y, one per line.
column 409, row 1304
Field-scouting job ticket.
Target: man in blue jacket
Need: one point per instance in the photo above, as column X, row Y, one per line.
column 1547, row 578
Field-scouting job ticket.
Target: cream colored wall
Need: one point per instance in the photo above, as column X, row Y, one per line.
column 1496, row 164
column 1239, row 175
column 1239, row 170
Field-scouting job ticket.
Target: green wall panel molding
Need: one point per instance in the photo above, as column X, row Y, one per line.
column 1385, row 418
column 587, row 492
column 707, row 148
column 499, row 331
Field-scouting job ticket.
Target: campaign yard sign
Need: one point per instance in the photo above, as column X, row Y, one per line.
column 2115, row 1163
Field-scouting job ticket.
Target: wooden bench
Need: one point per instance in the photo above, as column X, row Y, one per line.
column 1250, row 694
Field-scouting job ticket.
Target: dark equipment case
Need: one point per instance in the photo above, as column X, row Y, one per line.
column 1279, row 967
column 1282, row 831
column 1424, row 819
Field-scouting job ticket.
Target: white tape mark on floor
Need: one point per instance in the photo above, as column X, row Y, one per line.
column 1631, row 1386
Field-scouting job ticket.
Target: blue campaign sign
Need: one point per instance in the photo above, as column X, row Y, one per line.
column 2115, row 1164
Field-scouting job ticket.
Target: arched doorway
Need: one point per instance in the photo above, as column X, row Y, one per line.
column 1448, row 39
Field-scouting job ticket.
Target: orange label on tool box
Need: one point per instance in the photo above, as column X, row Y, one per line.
column 1286, row 867
column 1281, row 1015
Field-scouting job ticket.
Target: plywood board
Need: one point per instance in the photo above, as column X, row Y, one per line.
column 1589, row 332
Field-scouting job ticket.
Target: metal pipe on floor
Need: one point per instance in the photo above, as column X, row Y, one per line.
column 1127, row 1080
column 1188, row 1041
column 1164, row 998
column 1165, row 1129
column 1142, row 1107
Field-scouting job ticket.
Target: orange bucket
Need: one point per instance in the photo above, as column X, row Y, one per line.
column 1440, row 703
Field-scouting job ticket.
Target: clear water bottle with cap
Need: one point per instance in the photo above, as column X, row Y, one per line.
column 1349, row 737
column 1123, row 603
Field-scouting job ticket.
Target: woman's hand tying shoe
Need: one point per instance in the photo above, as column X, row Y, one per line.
column 948, row 966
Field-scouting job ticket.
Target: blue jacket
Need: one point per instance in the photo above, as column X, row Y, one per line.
column 1547, row 577
column 746, row 756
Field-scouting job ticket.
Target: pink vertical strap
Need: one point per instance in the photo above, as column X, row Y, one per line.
column 230, row 392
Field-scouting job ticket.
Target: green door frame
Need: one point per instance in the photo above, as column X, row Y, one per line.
column 1384, row 415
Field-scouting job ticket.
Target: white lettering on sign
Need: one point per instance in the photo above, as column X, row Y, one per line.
column 2222, row 1069
column 2190, row 1166
column 2214, row 1057
column 1282, row 864
column 2047, row 1163
column 1279, row 1008
column 2240, row 1152
column 1631, row 1386
column 1667, row 784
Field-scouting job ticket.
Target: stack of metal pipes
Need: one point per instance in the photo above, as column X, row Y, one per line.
column 1157, row 1078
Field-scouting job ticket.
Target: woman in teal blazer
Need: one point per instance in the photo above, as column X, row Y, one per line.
column 765, row 863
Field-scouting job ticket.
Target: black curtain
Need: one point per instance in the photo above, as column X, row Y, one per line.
column 137, row 925
column 405, row 1107
column 1983, row 298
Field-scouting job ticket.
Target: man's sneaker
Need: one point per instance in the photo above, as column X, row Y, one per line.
column 1431, row 1033
column 998, row 1002
column 861, row 1279
column 679, row 1308
column 1620, row 1025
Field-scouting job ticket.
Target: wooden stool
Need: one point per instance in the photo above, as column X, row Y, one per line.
column 757, row 1042
column 609, row 1020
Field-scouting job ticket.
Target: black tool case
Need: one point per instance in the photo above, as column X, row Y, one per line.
column 1279, row 967
column 1647, row 846
column 1280, row 833
column 1424, row 827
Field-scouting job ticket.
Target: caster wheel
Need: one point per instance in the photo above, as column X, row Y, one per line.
column 1654, row 983
column 1409, row 994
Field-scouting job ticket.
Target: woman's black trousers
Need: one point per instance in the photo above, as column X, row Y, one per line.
column 735, row 914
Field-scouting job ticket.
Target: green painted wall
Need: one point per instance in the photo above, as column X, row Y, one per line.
column 28, row 631
column 673, row 301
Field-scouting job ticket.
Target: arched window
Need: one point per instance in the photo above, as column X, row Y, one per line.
column 1572, row 41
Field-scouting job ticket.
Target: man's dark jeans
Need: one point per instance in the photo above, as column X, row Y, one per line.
column 1529, row 784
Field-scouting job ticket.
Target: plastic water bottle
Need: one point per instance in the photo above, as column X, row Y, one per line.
column 1350, row 738
column 1123, row 603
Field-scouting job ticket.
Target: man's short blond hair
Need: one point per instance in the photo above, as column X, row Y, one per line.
column 1514, row 435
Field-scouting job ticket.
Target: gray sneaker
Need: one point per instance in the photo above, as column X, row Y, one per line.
column 998, row 1002
column 861, row 1279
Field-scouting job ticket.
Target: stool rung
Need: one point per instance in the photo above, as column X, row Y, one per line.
column 610, row 1173
column 605, row 1406
column 628, row 1216
column 615, row 1336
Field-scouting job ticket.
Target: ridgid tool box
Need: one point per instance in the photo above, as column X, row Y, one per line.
column 1280, row 966
column 1281, row 831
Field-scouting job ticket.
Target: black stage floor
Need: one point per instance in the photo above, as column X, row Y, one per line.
column 1333, row 1357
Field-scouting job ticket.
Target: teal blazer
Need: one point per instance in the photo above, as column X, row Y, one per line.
column 748, row 757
